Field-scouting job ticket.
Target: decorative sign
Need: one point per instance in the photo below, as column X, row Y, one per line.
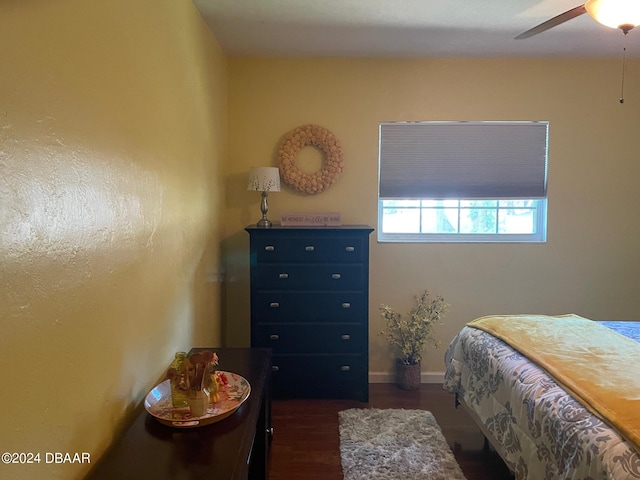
column 311, row 219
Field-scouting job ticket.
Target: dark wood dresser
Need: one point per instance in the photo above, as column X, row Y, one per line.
column 310, row 305
column 236, row 448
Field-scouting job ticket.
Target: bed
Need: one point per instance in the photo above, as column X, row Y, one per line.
column 540, row 430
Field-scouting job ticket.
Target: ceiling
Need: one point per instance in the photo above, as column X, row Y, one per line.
column 408, row 28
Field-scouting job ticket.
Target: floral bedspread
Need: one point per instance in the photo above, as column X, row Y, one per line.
column 541, row 432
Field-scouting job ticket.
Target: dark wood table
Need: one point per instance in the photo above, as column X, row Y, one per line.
column 237, row 447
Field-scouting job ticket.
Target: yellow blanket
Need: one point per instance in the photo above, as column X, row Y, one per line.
column 596, row 365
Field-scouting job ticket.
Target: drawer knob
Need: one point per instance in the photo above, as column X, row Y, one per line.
column 345, row 368
column 274, row 305
column 350, row 249
column 283, row 275
column 336, row 276
column 346, row 336
column 269, row 248
column 309, row 248
column 275, row 368
column 346, row 305
column 274, row 337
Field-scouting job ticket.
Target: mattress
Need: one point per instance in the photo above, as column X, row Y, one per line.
column 539, row 430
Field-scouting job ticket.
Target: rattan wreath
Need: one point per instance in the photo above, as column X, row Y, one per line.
column 326, row 142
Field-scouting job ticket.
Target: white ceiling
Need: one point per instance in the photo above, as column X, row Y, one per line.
column 408, row 28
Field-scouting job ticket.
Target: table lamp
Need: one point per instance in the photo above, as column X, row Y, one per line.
column 264, row 179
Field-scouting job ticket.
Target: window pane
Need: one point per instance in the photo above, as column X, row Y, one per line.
column 439, row 220
column 516, row 220
column 401, row 203
column 401, row 220
column 516, row 203
column 478, row 203
column 478, row 220
column 440, row 203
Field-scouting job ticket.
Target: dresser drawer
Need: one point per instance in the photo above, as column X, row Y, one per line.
column 283, row 306
column 319, row 375
column 309, row 249
column 312, row 338
column 289, row 276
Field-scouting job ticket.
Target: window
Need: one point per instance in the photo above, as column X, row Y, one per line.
column 462, row 182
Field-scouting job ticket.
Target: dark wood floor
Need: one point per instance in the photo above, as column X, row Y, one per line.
column 306, row 443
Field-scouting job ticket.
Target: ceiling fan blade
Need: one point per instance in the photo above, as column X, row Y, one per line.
column 555, row 21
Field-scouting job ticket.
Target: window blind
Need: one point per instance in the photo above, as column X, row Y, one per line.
column 469, row 160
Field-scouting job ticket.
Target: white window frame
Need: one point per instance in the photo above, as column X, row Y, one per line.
column 539, row 235
column 410, row 152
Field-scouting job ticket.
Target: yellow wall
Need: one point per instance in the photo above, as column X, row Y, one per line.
column 112, row 131
column 590, row 263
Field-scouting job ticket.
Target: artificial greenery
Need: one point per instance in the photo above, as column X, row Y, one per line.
column 409, row 334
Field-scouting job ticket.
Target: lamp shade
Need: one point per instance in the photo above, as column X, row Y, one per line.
column 615, row 13
column 264, row 179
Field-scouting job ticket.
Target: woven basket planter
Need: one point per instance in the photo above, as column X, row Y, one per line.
column 408, row 376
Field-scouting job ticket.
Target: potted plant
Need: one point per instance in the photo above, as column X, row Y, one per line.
column 409, row 335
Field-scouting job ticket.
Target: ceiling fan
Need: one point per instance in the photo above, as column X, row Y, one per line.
column 622, row 14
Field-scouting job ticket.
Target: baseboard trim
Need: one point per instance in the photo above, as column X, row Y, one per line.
column 425, row 377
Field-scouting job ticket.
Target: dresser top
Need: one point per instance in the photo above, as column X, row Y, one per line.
column 149, row 449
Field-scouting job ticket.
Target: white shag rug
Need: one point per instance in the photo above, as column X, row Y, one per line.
column 394, row 444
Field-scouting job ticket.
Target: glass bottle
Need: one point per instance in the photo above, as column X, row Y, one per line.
column 178, row 381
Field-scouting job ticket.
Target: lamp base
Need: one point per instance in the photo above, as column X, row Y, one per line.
column 264, row 208
column 264, row 223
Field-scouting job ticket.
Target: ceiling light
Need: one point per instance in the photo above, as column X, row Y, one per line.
column 623, row 14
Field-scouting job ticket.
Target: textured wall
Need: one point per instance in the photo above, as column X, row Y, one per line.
column 591, row 262
column 112, row 131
